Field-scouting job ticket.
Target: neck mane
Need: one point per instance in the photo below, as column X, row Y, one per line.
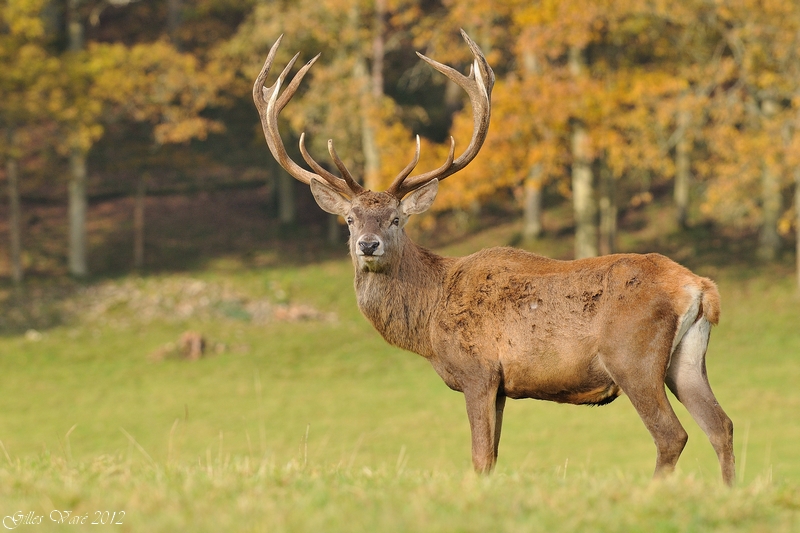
column 399, row 302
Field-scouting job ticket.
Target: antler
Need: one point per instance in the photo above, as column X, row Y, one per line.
column 478, row 85
column 270, row 104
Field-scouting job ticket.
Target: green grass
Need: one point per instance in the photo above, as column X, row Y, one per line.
column 321, row 426
column 260, row 495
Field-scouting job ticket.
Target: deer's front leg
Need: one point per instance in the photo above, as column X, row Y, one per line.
column 485, row 412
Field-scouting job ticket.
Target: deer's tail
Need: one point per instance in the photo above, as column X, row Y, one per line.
column 711, row 302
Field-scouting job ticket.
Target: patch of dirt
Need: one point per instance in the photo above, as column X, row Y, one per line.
column 179, row 299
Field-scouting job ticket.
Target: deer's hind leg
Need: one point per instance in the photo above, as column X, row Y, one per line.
column 688, row 381
column 637, row 359
column 650, row 401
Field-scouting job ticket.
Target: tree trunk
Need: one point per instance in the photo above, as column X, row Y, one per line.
column 334, row 230
column 583, row 195
column 378, row 50
column 682, row 170
column 174, row 22
column 77, row 214
column 453, row 98
column 532, row 207
column 14, row 218
column 797, row 223
column 77, row 167
column 582, row 187
column 371, row 93
column 369, row 143
column 608, row 211
column 138, row 222
column 74, row 26
column 286, row 208
column 768, row 238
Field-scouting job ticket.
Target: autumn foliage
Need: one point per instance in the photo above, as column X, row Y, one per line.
column 697, row 96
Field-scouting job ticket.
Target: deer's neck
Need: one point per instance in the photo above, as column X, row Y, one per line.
column 399, row 302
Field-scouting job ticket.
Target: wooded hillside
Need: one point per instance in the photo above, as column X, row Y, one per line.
column 601, row 103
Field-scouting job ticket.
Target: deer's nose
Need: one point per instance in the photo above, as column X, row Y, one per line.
column 368, row 247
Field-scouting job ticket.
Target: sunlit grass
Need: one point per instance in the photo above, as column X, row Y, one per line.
column 247, row 493
column 321, row 426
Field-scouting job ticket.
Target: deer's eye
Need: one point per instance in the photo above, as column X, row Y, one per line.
column 349, row 221
column 396, row 221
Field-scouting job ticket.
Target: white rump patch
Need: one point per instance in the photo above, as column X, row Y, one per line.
column 689, row 317
column 693, row 345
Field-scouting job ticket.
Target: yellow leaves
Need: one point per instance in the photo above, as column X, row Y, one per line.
column 155, row 83
column 732, row 201
column 69, row 103
column 82, row 90
column 24, row 64
column 646, row 65
column 768, row 79
column 741, row 156
column 80, row 137
column 787, row 222
column 537, row 13
column 179, row 130
column 23, row 18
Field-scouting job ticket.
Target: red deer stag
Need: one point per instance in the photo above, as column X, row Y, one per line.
column 504, row 323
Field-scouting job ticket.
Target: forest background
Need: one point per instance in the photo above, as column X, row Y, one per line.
column 604, row 104
column 179, row 338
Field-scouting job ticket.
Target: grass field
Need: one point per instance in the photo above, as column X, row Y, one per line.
column 309, row 421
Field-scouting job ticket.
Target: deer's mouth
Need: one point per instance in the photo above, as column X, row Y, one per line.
column 369, row 256
column 370, row 263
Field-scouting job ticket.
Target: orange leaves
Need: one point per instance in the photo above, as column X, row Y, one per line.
column 751, row 132
column 646, row 64
column 642, row 77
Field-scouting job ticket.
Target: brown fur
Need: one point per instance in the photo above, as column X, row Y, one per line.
column 507, row 323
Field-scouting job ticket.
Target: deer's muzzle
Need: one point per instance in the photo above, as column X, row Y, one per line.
column 369, row 245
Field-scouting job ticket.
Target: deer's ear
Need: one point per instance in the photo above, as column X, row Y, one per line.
column 421, row 199
column 328, row 199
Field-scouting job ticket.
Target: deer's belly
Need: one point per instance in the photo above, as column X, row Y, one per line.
column 555, row 379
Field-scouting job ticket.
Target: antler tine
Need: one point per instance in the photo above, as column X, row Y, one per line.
column 478, row 86
column 405, row 172
column 447, row 164
column 260, row 95
column 348, row 182
column 348, row 178
column 316, row 167
column 270, row 104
